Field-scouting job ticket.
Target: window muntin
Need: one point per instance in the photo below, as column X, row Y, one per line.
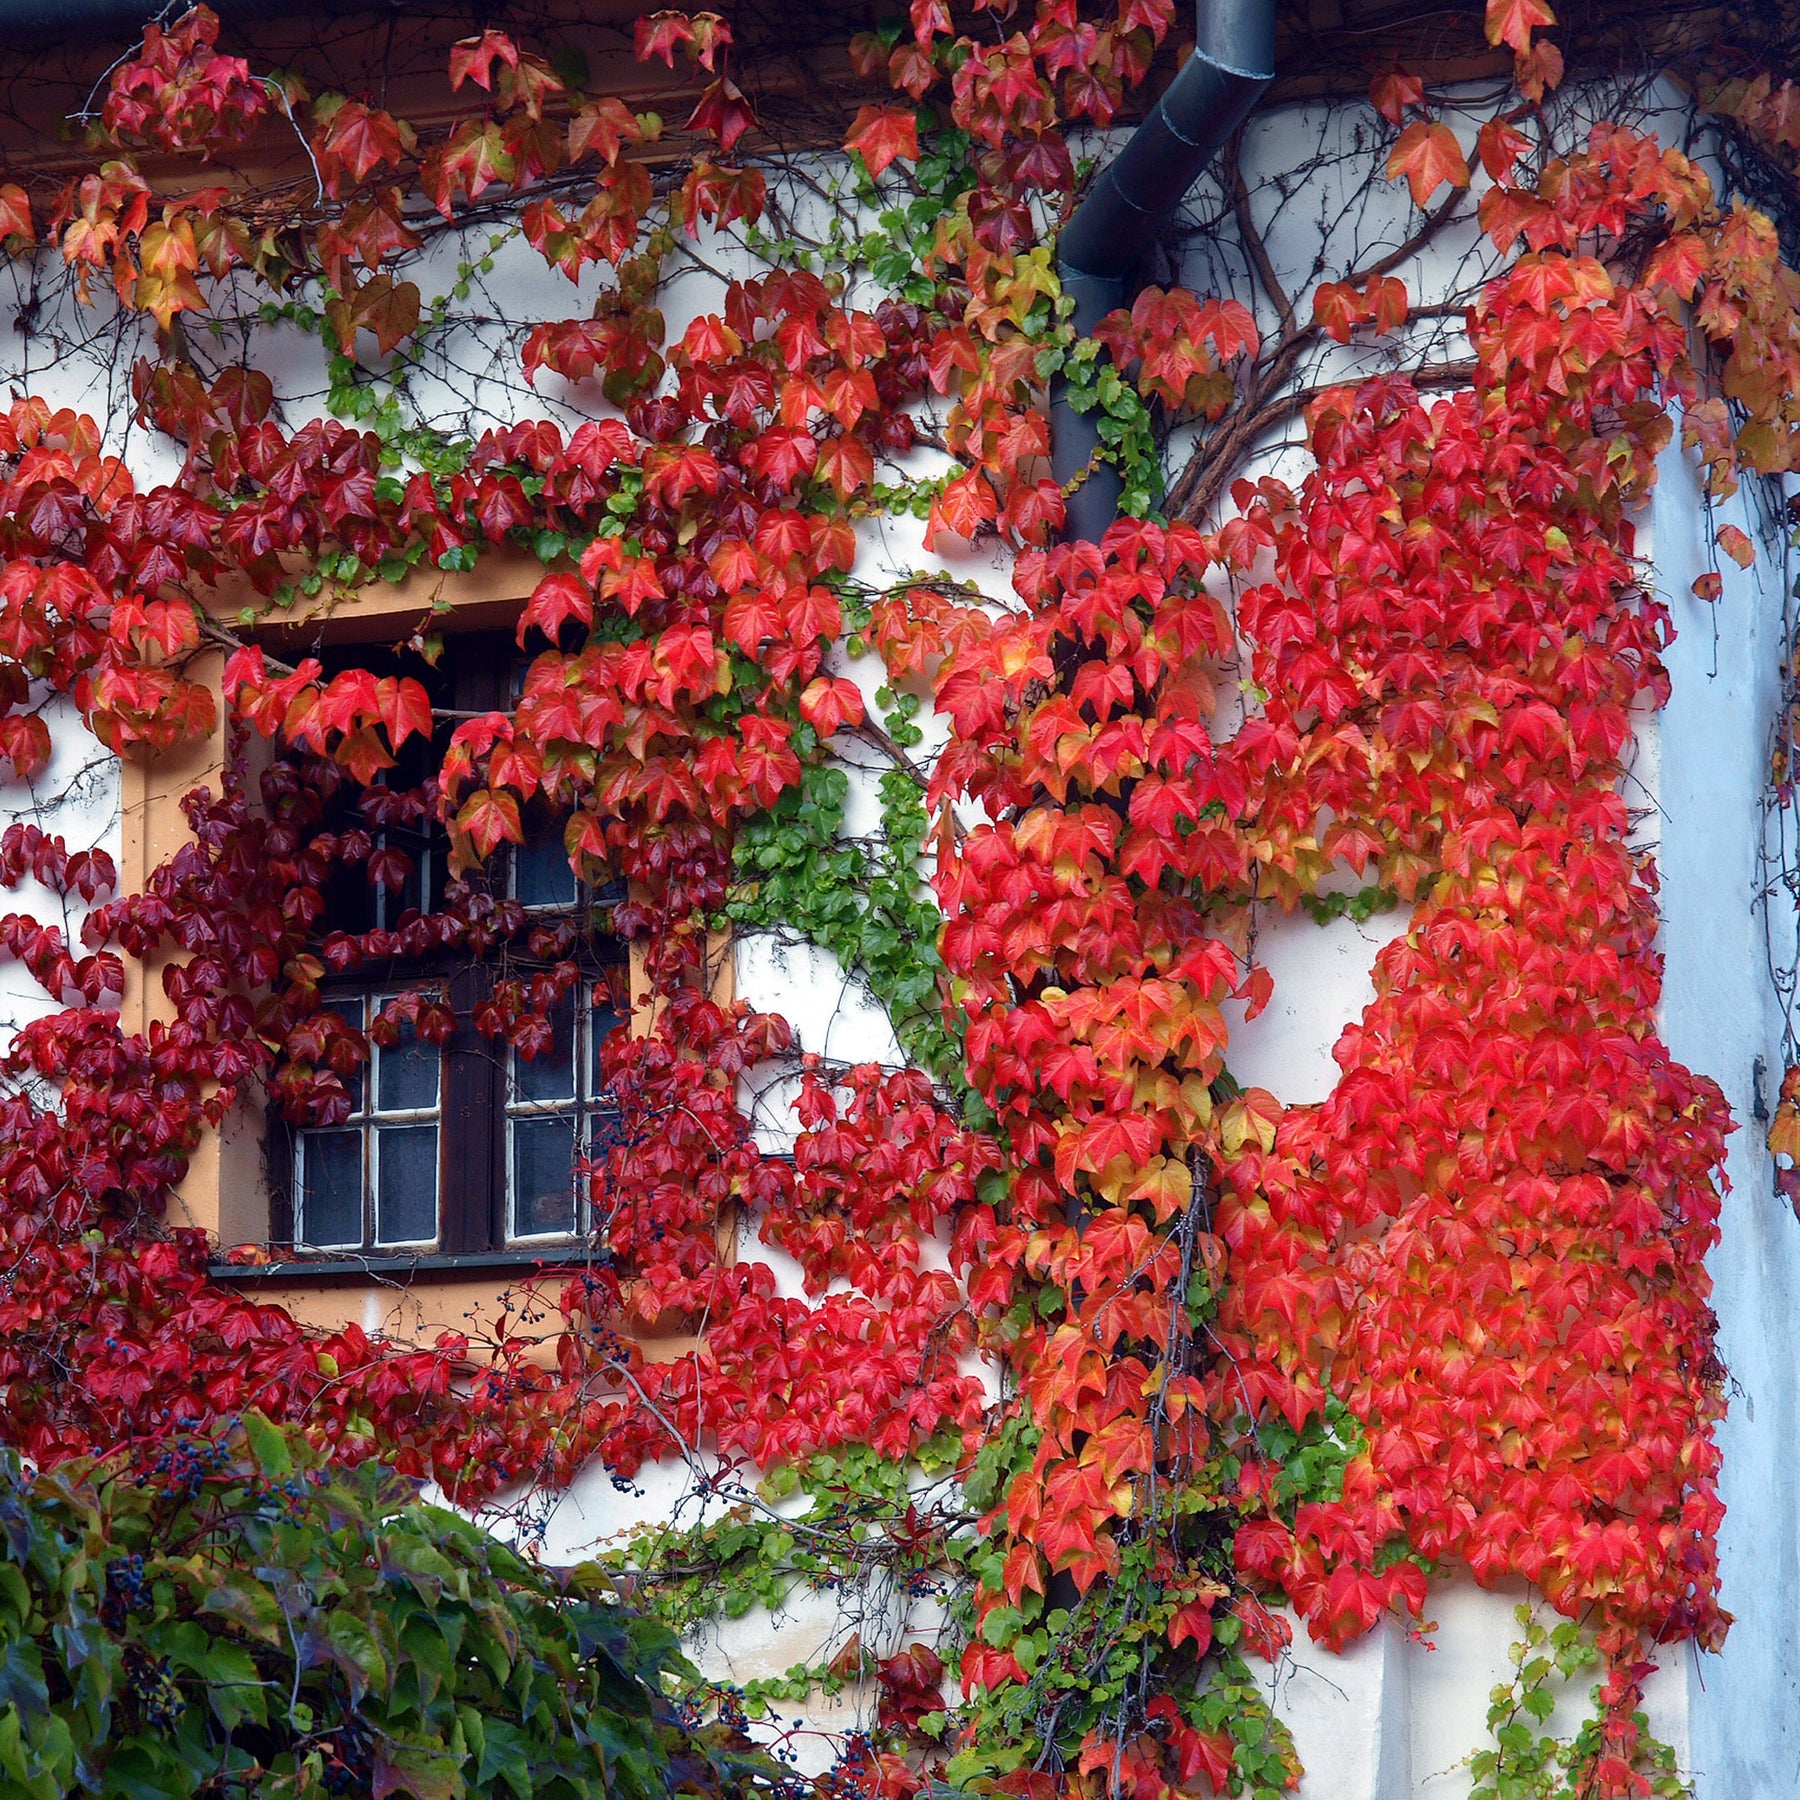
column 374, row 1181
column 556, row 1112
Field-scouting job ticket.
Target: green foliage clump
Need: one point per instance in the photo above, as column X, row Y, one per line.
column 238, row 1619
column 862, row 899
column 1529, row 1762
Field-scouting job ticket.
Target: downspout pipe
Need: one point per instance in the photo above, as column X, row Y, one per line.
column 1233, row 61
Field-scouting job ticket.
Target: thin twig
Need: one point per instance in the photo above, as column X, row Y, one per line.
column 1247, row 427
column 1254, row 247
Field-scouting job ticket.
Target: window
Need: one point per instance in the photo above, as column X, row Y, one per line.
column 467, row 1147
column 555, row 1111
column 373, row 1182
column 399, row 1175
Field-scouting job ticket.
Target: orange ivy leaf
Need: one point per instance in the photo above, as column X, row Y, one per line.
column 1784, row 1131
column 1387, row 303
column 386, row 308
column 1680, row 261
column 15, row 212
column 489, row 819
column 1500, row 145
column 1538, row 70
column 361, row 753
column 1511, row 22
column 1428, row 156
column 1254, row 1115
column 357, row 139
column 1737, row 545
column 1337, row 309
column 604, row 126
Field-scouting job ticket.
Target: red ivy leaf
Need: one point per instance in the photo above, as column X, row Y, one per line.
column 472, row 59
column 723, row 111
column 554, row 600
column 1393, row 91
column 966, row 504
column 661, row 34
column 830, row 701
column 490, row 819
column 882, row 133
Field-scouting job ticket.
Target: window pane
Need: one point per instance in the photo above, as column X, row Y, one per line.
column 605, row 1130
column 602, row 1022
column 406, row 1077
column 406, row 1180
column 550, row 1075
column 351, row 1012
column 543, row 1172
column 541, row 872
column 331, row 1188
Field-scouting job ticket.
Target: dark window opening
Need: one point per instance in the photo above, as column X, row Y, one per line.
column 468, row 1147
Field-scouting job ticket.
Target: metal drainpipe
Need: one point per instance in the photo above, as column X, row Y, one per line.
column 1233, row 61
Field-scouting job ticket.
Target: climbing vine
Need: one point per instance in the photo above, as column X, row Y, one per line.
column 1103, row 1367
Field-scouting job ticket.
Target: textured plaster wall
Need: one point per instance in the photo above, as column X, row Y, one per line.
column 1708, row 763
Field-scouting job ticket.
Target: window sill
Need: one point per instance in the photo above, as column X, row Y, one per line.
column 335, row 1271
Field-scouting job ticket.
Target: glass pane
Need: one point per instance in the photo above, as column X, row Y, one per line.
column 351, row 1012
column 392, row 904
column 406, row 1077
column 350, row 903
column 543, row 1178
column 541, row 872
column 406, row 1180
column 550, row 1075
column 331, row 1188
column 605, row 1130
column 602, row 1022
